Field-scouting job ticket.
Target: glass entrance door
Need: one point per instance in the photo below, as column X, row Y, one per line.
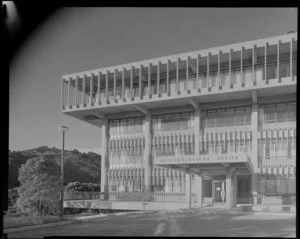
column 219, row 191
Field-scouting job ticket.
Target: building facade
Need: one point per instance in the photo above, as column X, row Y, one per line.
column 215, row 126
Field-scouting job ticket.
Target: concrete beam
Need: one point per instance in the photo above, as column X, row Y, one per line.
column 100, row 115
column 194, row 103
column 225, row 165
column 142, row 109
column 254, row 96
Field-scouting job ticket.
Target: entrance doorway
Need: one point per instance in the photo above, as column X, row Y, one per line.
column 219, row 191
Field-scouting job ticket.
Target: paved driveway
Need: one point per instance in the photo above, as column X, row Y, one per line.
column 204, row 222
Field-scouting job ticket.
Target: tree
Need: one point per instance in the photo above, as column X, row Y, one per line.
column 39, row 191
column 12, row 196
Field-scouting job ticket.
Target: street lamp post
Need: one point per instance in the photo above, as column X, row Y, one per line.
column 63, row 129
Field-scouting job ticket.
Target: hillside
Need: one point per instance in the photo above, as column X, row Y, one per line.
column 81, row 167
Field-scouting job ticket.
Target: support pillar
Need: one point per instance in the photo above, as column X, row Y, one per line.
column 197, row 131
column 199, row 186
column 62, row 93
column 188, row 188
column 98, row 88
column 254, row 156
column 230, row 189
column 104, row 158
column 147, row 153
column 83, row 90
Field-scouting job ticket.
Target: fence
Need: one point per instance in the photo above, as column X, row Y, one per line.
column 264, row 199
column 81, row 195
column 149, row 196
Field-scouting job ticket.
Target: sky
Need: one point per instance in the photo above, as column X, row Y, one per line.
column 79, row 39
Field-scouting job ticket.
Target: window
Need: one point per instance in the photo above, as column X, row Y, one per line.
column 281, row 113
column 271, row 72
column 184, row 121
column 220, row 120
column 230, row 115
column 239, row 118
column 211, row 117
column 267, row 150
column 272, row 184
column 114, row 188
column 130, row 126
column 248, row 115
column 289, row 149
column 138, row 125
column 292, row 112
column 270, row 114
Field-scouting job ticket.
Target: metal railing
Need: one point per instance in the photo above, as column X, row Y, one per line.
column 263, row 199
column 81, row 195
column 149, row 196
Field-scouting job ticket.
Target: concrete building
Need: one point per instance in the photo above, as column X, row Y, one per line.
column 214, row 126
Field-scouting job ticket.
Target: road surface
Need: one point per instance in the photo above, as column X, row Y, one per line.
column 196, row 222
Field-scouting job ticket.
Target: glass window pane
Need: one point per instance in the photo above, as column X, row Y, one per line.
column 270, row 114
column 211, row 118
column 262, row 184
column 192, row 120
column 184, row 121
column 281, row 113
column 239, row 117
column 292, row 112
column 220, row 119
column 230, row 115
column 138, row 125
column 248, row 115
column 130, row 126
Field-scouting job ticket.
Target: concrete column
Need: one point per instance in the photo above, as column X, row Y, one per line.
column 91, row 88
column 149, row 80
column 69, row 92
column 177, row 76
column 168, row 85
column 140, row 81
column 62, row 93
column 83, row 90
column 207, row 75
column 188, row 188
column 234, row 187
column 131, row 83
column 104, row 158
column 197, row 131
column 254, row 188
column 197, row 73
column 253, row 62
column 266, row 52
column 199, row 186
column 123, row 84
column 291, row 58
column 187, row 74
column 254, row 156
column 242, row 51
column 229, row 71
column 98, row 87
column 158, row 78
column 219, row 65
column 76, row 90
column 106, row 85
column 229, row 188
column 148, row 152
column 278, row 65
column 115, row 79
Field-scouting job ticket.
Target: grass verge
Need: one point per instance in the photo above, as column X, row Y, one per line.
column 23, row 221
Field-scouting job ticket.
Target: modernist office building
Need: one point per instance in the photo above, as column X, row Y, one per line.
column 209, row 126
